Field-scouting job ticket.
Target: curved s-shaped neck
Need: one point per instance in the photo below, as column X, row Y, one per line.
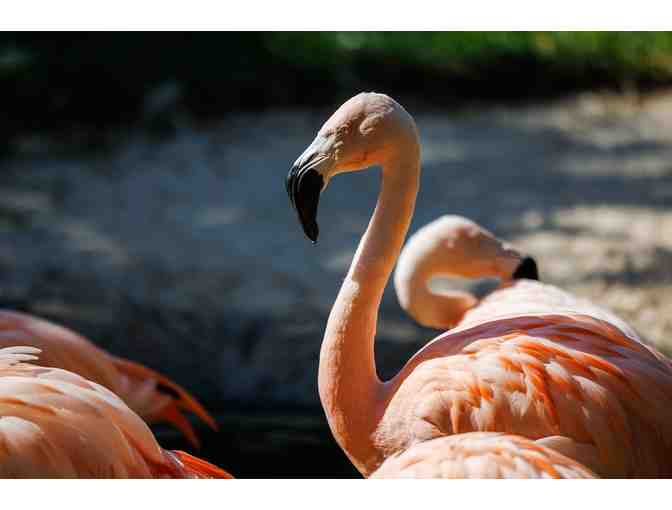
column 431, row 309
column 352, row 395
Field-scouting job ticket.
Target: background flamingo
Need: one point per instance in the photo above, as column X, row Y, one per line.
column 580, row 383
column 151, row 395
column 454, row 246
column 57, row 424
column 481, row 455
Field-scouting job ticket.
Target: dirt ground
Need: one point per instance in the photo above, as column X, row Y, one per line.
column 183, row 252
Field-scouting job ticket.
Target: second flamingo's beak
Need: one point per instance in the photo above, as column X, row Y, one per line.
column 304, row 185
column 526, row 269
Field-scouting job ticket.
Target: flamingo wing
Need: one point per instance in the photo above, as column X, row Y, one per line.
column 542, row 376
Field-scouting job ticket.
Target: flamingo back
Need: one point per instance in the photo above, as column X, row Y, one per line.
column 481, row 455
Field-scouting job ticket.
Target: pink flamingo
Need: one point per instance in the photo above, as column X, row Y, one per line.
column 562, row 374
column 57, row 424
column 151, row 395
column 456, row 246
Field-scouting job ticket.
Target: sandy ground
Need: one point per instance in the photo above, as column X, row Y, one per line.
column 184, row 253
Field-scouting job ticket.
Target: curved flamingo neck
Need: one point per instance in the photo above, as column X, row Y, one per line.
column 438, row 310
column 448, row 247
column 352, row 395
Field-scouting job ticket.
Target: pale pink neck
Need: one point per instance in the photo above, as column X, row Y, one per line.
column 431, row 309
column 352, row 395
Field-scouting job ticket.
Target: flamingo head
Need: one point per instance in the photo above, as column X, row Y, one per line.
column 458, row 246
column 362, row 133
column 479, row 253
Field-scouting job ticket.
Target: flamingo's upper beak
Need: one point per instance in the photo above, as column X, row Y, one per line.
column 526, row 269
column 304, row 184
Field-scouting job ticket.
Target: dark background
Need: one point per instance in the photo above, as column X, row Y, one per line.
column 143, row 203
column 57, row 80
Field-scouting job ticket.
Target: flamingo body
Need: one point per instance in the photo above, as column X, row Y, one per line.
column 151, row 395
column 539, row 376
column 56, row 424
column 481, row 455
column 528, row 297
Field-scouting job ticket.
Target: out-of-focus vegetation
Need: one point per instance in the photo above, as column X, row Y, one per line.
column 49, row 79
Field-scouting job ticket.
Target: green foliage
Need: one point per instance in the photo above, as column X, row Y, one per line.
column 625, row 55
column 56, row 78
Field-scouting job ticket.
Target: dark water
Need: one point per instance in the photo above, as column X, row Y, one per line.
column 268, row 445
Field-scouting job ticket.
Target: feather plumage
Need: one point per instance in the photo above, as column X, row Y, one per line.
column 56, row 424
column 150, row 394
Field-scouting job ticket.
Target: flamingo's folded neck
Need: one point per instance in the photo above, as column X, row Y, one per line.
column 431, row 309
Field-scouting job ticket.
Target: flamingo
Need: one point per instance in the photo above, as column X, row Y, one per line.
column 562, row 374
column 57, row 424
column 453, row 246
column 456, row 246
column 481, row 455
column 151, row 395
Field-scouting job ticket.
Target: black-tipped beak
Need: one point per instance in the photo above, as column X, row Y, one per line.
column 304, row 185
column 526, row 269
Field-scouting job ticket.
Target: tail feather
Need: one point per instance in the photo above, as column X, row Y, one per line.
column 198, row 468
column 178, row 398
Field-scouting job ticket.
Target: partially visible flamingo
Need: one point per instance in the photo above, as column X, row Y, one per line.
column 447, row 247
column 481, row 455
column 548, row 369
column 57, row 424
column 151, row 395
column 454, row 246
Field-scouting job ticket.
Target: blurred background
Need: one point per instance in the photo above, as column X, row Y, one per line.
column 142, row 198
